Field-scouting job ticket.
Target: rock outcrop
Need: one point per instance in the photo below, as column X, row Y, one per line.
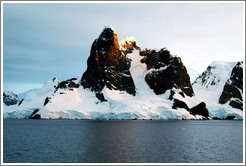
column 108, row 65
column 233, row 88
column 165, row 72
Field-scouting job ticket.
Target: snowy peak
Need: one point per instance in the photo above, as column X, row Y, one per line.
column 52, row 83
column 216, row 74
column 221, row 86
column 10, row 98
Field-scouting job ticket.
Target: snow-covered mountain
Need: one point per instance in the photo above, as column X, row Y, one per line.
column 122, row 81
column 10, row 98
column 209, row 87
column 32, row 100
column 125, row 81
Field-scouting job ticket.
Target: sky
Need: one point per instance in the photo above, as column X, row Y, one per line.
column 46, row 40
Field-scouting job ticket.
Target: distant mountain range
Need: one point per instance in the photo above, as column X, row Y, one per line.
column 126, row 81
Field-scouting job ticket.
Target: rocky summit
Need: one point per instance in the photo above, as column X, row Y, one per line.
column 108, row 65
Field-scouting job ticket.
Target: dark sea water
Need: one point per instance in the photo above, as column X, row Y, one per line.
column 144, row 141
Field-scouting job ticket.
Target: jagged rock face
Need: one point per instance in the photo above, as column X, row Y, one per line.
column 233, row 88
column 108, row 65
column 10, row 98
column 165, row 72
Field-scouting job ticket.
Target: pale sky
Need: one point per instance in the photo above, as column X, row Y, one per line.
column 42, row 41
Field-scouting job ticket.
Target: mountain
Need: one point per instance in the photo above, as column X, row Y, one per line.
column 122, row 81
column 126, row 81
column 10, row 98
column 32, row 100
column 215, row 84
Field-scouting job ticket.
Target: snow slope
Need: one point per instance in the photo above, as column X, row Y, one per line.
column 32, row 100
column 22, row 95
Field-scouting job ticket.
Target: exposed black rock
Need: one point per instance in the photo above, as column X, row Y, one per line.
column 233, row 88
column 108, row 65
column 199, row 109
column 10, row 98
column 47, row 99
column 230, row 117
column 166, row 72
column 216, row 118
column 101, row 97
column 179, row 104
column 20, row 102
column 34, row 112
column 68, row 84
column 236, row 103
column 34, row 115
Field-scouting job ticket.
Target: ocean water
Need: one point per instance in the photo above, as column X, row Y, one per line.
column 131, row 141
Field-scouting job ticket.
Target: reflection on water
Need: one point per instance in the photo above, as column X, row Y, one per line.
column 78, row 141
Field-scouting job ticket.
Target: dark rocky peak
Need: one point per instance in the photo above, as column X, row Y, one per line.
column 233, row 88
column 165, row 71
column 237, row 75
column 106, row 47
column 108, row 65
column 10, row 98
